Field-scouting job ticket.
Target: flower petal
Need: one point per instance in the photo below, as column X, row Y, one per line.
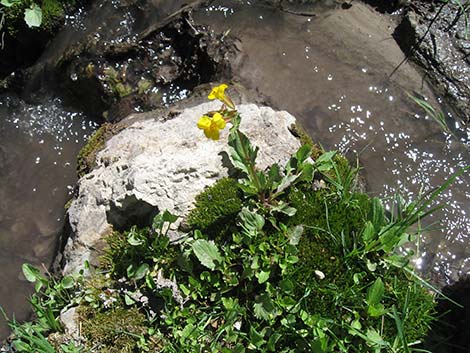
column 218, row 121
column 212, row 133
column 218, row 92
column 204, row 123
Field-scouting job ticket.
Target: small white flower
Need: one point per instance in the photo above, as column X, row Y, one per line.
column 319, row 274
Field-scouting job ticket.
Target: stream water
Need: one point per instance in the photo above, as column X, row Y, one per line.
column 38, row 148
column 329, row 69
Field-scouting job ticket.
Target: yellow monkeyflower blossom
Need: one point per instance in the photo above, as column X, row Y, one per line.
column 219, row 93
column 212, row 126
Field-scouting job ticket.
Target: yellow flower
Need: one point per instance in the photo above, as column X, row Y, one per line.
column 218, row 92
column 211, row 126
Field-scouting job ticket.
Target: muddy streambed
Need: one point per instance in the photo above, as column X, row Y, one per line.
column 331, row 71
column 38, row 148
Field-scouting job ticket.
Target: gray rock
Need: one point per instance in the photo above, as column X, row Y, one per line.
column 69, row 319
column 156, row 165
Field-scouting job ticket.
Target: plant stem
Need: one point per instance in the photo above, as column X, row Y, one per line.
column 251, row 166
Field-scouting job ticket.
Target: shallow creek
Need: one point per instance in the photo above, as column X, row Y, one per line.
column 331, row 71
column 38, row 149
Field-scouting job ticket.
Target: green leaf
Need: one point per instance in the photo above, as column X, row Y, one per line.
column 264, row 308
column 374, row 338
column 241, row 151
column 284, row 207
column 169, row 217
column 128, row 300
column 206, row 252
column 368, row 234
column 357, row 277
column 8, row 3
column 325, row 161
column 355, row 326
column 287, row 181
column 378, row 215
column 141, row 271
column 21, row 346
column 292, row 259
column 303, row 153
column 375, row 292
column 134, row 238
column 256, row 339
column 31, row 273
column 274, row 173
column 251, row 222
column 33, row 16
column 67, row 282
column 307, row 172
column 150, row 282
column 371, row 266
column 376, row 310
column 397, row 261
column 263, row 276
column 272, row 341
column 286, row 285
column 294, row 234
column 326, row 157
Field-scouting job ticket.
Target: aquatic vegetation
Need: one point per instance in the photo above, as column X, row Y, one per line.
column 436, row 115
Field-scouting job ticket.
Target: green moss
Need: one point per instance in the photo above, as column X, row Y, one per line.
column 333, row 229
column 324, row 210
column 298, row 131
column 216, row 208
column 51, row 10
column 115, row 331
column 330, row 227
column 68, row 204
column 86, row 159
column 415, row 303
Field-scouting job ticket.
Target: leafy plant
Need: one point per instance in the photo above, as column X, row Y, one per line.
column 50, row 298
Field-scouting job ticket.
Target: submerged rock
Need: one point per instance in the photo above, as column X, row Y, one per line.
column 161, row 162
column 436, row 36
column 113, row 59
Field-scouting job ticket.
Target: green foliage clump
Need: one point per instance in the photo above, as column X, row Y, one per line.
column 39, row 13
column 216, row 207
column 291, row 259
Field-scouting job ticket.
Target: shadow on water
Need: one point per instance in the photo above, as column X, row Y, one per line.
column 331, row 72
column 451, row 333
column 38, row 148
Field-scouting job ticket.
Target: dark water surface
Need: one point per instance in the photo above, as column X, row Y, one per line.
column 331, row 72
column 38, row 149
